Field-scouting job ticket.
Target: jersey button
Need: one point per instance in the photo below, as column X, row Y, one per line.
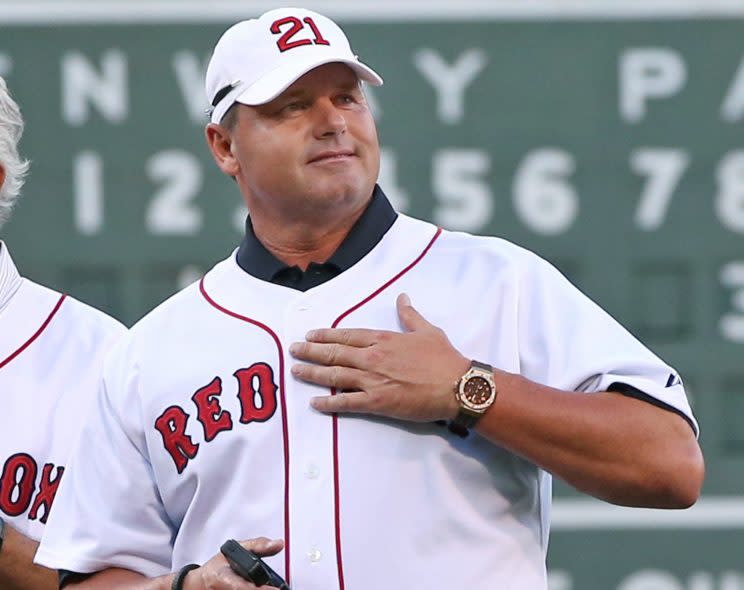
column 312, row 471
column 314, row 555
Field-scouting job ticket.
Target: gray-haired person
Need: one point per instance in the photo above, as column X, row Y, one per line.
column 51, row 348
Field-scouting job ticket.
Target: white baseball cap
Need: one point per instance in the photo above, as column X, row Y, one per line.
column 256, row 60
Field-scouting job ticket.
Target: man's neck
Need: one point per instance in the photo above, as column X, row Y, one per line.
column 299, row 244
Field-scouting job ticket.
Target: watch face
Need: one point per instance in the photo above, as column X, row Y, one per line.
column 477, row 390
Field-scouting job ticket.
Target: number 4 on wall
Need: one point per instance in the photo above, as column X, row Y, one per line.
column 295, row 26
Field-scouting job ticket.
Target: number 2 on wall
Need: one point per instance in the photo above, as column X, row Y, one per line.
column 296, row 25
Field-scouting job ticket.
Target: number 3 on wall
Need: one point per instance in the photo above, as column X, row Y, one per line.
column 295, row 26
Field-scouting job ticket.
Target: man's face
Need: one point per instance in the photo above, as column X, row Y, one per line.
column 311, row 149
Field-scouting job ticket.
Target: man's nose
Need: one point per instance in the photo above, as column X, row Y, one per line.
column 330, row 120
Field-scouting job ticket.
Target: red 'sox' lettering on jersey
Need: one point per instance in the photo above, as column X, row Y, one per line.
column 18, row 486
column 47, row 490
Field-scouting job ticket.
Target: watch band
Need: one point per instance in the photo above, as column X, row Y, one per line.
column 466, row 420
column 2, row 532
column 484, row 366
column 181, row 576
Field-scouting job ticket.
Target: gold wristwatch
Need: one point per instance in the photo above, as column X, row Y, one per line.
column 475, row 391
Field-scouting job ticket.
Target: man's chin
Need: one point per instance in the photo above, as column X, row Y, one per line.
column 340, row 188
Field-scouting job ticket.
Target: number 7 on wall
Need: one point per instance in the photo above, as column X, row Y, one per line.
column 664, row 169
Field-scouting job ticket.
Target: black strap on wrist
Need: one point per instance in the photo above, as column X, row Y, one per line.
column 181, row 576
column 2, row 532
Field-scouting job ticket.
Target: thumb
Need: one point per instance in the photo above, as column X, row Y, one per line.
column 410, row 319
column 263, row 546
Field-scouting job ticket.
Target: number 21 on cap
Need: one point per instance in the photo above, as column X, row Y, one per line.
column 295, row 26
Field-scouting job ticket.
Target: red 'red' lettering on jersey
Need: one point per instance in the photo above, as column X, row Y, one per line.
column 292, row 26
column 171, row 425
column 47, row 491
column 17, row 484
column 213, row 419
column 257, row 393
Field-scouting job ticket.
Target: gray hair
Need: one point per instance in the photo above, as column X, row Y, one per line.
column 11, row 129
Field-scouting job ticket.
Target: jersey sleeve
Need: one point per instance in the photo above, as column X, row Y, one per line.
column 94, row 523
column 569, row 342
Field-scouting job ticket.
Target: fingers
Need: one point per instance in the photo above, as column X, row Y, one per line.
column 357, row 337
column 218, row 574
column 328, row 354
column 410, row 319
column 263, row 546
column 363, row 337
column 335, row 376
column 357, row 401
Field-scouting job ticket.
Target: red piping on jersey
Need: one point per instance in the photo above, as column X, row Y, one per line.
column 337, row 503
column 284, row 415
column 38, row 332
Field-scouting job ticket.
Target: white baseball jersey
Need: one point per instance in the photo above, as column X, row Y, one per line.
column 202, row 434
column 51, row 349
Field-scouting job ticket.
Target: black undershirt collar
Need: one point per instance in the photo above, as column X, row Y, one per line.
column 256, row 260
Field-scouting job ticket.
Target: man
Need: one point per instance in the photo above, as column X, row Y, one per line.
column 296, row 392
column 50, row 359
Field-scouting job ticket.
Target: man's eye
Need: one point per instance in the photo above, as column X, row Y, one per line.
column 293, row 106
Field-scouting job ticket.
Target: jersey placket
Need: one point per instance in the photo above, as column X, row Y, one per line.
column 312, row 526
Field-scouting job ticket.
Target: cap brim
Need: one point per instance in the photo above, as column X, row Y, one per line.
column 277, row 81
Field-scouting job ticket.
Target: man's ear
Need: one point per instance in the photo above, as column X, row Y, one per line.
column 220, row 144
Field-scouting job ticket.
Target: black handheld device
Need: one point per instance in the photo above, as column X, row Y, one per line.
column 250, row 566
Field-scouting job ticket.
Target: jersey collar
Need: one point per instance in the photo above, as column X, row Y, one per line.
column 366, row 233
column 10, row 280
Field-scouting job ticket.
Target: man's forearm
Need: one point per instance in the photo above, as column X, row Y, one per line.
column 17, row 569
column 614, row 447
column 119, row 579
column 216, row 574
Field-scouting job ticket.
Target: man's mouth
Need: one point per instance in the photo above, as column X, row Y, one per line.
column 331, row 156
